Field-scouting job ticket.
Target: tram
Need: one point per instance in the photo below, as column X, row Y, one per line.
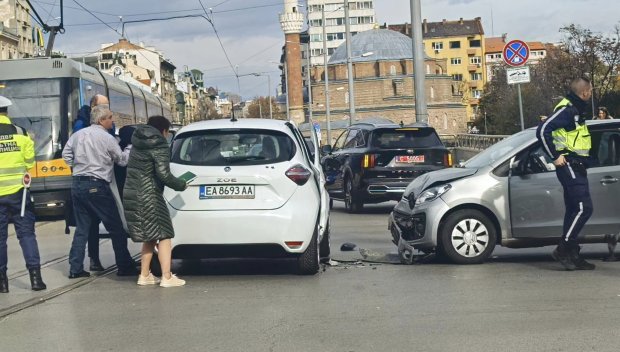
column 47, row 94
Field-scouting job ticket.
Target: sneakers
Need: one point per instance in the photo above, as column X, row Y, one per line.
column 580, row 263
column 173, row 281
column 148, row 280
column 561, row 255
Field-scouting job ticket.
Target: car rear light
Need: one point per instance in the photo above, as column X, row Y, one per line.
column 298, row 174
column 447, row 159
column 369, row 161
column 294, row 244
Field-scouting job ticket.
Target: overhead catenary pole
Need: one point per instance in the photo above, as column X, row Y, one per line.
column 309, row 83
column 326, row 74
column 347, row 26
column 520, row 106
column 269, row 88
column 421, row 112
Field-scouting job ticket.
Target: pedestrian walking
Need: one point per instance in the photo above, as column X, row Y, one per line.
column 16, row 157
column 148, row 219
column 565, row 137
column 603, row 114
column 92, row 153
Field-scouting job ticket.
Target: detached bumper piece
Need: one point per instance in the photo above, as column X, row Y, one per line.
column 404, row 229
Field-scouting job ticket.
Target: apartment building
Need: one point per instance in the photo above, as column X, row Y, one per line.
column 15, row 30
column 362, row 18
column 461, row 43
column 494, row 48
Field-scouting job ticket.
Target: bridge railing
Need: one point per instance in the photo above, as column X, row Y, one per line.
column 476, row 142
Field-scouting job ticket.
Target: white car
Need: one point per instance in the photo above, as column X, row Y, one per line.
column 248, row 203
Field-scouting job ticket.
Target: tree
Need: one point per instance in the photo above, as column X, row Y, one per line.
column 261, row 104
column 581, row 53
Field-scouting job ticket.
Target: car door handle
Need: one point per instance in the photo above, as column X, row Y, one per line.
column 608, row 180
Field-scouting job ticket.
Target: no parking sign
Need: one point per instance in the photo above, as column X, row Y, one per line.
column 516, row 53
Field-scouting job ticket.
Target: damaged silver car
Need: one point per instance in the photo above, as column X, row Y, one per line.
column 509, row 195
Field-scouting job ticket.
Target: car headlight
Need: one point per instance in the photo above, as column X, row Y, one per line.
column 432, row 194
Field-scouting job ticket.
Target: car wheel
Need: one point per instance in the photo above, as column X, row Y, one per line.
column 351, row 203
column 468, row 237
column 308, row 261
column 324, row 247
column 331, row 204
column 155, row 266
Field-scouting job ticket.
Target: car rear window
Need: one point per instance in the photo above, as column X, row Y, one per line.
column 232, row 147
column 405, row 137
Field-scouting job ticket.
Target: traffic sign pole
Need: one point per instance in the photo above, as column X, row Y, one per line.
column 520, row 107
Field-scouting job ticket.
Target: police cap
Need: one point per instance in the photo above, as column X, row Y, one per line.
column 4, row 102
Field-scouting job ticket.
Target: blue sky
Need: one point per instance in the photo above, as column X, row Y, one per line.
column 252, row 37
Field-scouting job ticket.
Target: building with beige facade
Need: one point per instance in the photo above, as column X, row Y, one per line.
column 384, row 84
column 461, row 43
column 15, row 30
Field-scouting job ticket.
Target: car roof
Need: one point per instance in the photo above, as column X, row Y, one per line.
column 268, row 124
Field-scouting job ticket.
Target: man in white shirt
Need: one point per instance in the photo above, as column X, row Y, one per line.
column 92, row 153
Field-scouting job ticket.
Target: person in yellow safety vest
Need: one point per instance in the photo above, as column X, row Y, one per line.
column 565, row 137
column 16, row 157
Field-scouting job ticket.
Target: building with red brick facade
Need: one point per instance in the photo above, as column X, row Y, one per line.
column 384, row 84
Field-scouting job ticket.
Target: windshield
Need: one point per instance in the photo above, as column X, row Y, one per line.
column 405, row 138
column 232, row 147
column 499, row 150
column 36, row 108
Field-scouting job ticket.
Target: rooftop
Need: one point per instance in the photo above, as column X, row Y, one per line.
column 383, row 43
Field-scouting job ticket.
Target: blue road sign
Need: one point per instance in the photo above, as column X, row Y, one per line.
column 516, row 53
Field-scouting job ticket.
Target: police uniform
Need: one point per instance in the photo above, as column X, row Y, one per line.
column 16, row 157
column 565, row 133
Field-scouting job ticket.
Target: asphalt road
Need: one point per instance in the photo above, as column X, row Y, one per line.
column 518, row 301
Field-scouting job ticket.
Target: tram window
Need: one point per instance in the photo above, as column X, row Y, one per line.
column 89, row 90
column 140, row 110
column 154, row 110
column 121, row 103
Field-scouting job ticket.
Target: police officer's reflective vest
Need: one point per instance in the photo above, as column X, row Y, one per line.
column 16, row 156
column 577, row 141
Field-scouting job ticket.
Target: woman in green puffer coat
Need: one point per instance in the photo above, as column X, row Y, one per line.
column 148, row 219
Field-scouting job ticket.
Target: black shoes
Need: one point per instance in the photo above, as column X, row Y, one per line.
column 79, row 275
column 95, row 265
column 580, row 263
column 4, row 282
column 562, row 255
column 129, row 271
column 36, row 282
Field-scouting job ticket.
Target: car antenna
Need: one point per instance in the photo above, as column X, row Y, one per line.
column 401, row 123
column 233, row 118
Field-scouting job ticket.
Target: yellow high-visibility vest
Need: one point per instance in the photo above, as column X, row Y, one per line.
column 16, row 156
column 577, row 141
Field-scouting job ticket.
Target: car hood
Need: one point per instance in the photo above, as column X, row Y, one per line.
column 434, row 178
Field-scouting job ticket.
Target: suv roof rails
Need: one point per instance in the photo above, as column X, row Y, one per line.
column 375, row 121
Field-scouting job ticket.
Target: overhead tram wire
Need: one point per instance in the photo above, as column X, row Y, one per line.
column 95, row 16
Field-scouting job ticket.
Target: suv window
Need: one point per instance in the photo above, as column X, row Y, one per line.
column 340, row 141
column 351, row 139
column 232, row 146
column 405, row 137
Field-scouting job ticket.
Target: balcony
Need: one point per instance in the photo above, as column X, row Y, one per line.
column 471, row 52
column 473, row 84
column 473, row 67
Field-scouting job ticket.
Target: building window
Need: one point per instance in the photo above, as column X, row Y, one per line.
column 392, row 70
column 455, row 44
column 455, row 61
column 476, row 76
column 457, row 77
column 445, row 121
column 475, row 60
column 437, row 46
column 399, row 87
column 316, row 38
column 474, row 43
column 316, row 52
column 476, row 93
column 316, row 23
column 432, row 93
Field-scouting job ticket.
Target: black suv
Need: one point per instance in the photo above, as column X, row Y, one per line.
column 373, row 162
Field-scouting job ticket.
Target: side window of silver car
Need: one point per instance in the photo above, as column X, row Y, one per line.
column 537, row 161
column 606, row 145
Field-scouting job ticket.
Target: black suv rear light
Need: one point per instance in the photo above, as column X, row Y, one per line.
column 298, row 174
column 369, row 161
column 447, row 159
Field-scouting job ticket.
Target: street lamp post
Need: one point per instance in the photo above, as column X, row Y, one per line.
column 326, row 74
column 347, row 26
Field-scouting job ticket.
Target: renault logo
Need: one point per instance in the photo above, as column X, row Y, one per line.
column 227, row 169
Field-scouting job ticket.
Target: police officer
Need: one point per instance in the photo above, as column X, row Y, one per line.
column 565, row 137
column 16, row 157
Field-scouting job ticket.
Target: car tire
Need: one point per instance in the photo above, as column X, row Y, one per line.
column 308, row 261
column 331, row 204
column 324, row 246
column 351, row 203
column 155, row 266
column 467, row 237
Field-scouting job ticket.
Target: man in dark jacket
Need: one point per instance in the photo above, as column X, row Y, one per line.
column 565, row 137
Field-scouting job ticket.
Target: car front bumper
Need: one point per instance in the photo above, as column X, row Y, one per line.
column 418, row 229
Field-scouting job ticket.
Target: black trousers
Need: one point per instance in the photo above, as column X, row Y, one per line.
column 577, row 201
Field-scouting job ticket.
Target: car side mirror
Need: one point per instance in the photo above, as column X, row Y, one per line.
column 326, row 149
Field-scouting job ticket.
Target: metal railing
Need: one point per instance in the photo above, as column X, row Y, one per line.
column 470, row 141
